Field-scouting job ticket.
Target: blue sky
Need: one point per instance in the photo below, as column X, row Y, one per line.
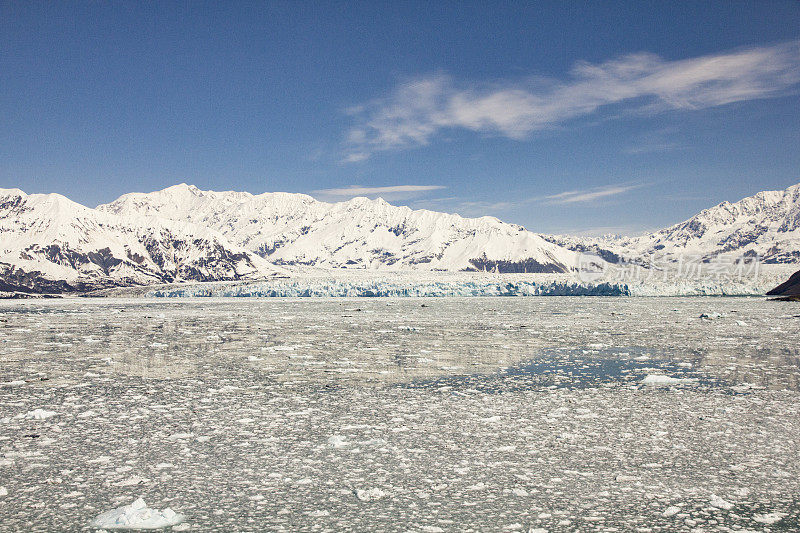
column 613, row 116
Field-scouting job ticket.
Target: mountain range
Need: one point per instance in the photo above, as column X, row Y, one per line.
column 51, row 244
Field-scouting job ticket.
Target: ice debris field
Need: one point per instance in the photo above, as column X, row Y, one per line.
column 489, row 414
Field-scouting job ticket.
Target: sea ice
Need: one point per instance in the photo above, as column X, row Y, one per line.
column 660, row 379
column 671, row 511
column 337, row 441
column 136, row 516
column 368, row 495
column 40, row 414
column 769, row 518
column 719, row 503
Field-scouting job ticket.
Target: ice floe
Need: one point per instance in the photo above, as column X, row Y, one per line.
column 136, row 516
column 661, row 379
column 40, row 414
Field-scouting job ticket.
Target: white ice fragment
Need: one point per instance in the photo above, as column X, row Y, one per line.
column 337, row 441
column 131, row 482
column 368, row 495
column 661, row 379
column 14, row 383
column 671, row 511
column 136, row 516
column 3, row 491
column 710, row 316
column 719, row 503
column 39, row 414
column 769, row 518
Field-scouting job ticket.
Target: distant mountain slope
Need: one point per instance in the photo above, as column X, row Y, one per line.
column 295, row 229
column 49, row 243
column 765, row 225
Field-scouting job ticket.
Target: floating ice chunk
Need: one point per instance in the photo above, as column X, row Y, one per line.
column 661, row 379
column 672, row 510
column 3, row 491
column 337, row 441
column 131, row 481
column 136, row 516
column 14, row 383
column 368, row 495
column 719, row 503
column 40, row 414
column 769, row 518
column 711, row 316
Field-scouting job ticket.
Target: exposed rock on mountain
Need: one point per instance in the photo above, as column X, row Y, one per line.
column 790, row 288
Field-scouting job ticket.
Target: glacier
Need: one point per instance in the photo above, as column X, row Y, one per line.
column 315, row 283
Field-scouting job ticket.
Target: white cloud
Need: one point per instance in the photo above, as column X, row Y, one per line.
column 392, row 192
column 589, row 195
column 419, row 109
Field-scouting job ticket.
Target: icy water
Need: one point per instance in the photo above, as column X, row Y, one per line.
column 475, row 414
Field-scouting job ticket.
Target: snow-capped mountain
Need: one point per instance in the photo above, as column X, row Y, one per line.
column 764, row 226
column 296, row 229
column 49, row 243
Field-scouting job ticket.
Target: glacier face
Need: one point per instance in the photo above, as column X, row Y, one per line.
column 49, row 243
column 296, row 229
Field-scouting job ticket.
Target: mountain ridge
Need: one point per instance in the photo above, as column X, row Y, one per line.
column 296, row 229
column 49, row 243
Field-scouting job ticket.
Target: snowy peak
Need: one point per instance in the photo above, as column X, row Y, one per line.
column 765, row 225
column 52, row 243
column 296, row 229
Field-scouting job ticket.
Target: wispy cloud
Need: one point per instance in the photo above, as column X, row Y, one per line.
column 589, row 195
column 419, row 109
column 392, row 192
